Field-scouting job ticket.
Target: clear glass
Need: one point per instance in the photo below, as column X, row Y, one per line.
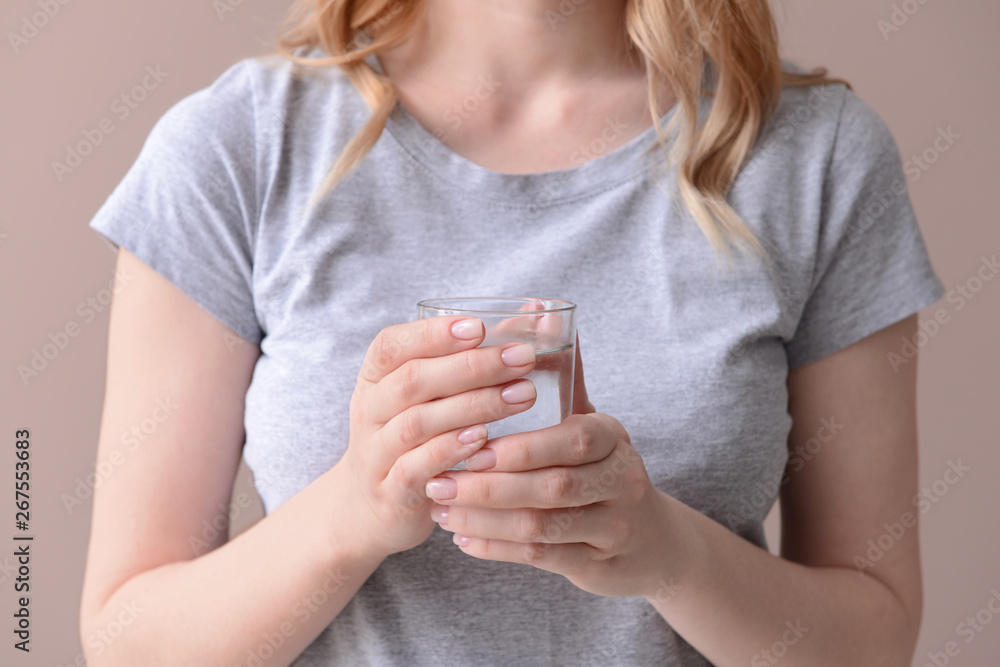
column 549, row 325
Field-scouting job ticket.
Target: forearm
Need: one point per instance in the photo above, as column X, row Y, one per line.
column 738, row 604
column 269, row 592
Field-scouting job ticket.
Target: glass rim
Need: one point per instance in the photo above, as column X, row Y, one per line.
column 437, row 304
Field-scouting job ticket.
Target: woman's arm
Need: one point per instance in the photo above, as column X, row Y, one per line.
column 736, row 603
column 576, row 499
column 147, row 598
column 424, row 393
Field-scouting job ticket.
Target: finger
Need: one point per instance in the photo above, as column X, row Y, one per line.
column 545, row 330
column 592, row 524
column 421, row 380
column 551, row 330
column 414, row 468
column 547, row 488
column 420, row 423
column 558, row 558
column 576, row 441
column 581, row 403
column 522, row 327
column 432, row 337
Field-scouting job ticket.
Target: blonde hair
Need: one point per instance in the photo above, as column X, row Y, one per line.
column 676, row 38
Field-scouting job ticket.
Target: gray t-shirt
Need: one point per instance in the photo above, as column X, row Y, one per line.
column 692, row 359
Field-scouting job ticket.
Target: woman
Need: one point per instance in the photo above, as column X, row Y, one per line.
column 738, row 299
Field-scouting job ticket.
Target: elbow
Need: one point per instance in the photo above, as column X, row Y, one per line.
column 93, row 648
column 106, row 631
column 88, row 621
column 912, row 619
column 912, row 614
column 899, row 629
column 897, row 649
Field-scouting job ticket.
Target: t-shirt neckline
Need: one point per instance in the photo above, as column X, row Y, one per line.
column 540, row 188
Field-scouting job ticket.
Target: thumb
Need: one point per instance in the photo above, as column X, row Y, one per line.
column 581, row 404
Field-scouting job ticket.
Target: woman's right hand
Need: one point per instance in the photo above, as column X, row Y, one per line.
column 424, row 395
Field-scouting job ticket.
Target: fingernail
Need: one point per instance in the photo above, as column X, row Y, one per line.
column 460, row 540
column 518, row 355
column 440, row 514
column 484, row 459
column 443, row 488
column 467, row 329
column 518, row 393
column 473, row 434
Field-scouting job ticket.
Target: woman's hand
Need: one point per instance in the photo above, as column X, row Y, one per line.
column 573, row 499
column 423, row 396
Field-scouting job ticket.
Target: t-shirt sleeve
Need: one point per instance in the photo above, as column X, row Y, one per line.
column 187, row 206
column 871, row 268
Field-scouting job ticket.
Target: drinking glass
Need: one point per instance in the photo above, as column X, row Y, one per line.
column 548, row 325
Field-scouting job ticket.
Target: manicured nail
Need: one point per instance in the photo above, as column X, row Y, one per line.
column 460, row 540
column 440, row 514
column 518, row 355
column 467, row 329
column 442, row 488
column 484, row 459
column 518, row 393
column 473, row 434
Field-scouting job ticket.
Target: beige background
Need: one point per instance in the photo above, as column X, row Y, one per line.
column 939, row 70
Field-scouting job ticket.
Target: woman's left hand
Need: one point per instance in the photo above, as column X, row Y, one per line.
column 574, row 499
